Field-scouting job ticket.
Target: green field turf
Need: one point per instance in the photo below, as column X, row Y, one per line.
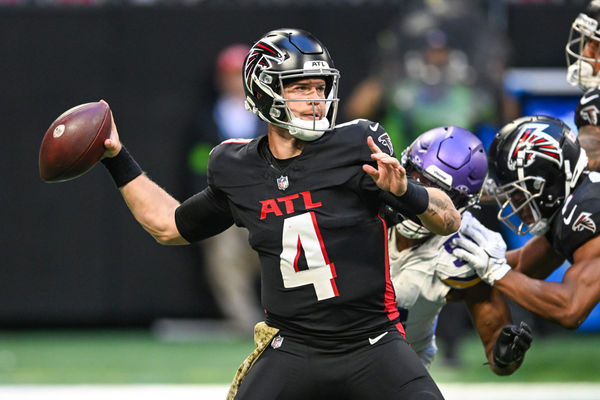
column 99, row 357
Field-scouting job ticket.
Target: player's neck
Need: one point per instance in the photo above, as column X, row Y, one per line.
column 282, row 144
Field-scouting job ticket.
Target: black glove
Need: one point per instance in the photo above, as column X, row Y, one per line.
column 511, row 345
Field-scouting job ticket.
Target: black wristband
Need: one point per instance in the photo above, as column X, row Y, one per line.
column 123, row 168
column 416, row 198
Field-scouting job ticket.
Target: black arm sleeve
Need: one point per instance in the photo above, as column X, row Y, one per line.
column 203, row 215
column 396, row 209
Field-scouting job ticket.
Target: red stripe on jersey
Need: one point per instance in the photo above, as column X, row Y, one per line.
column 401, row 330
column 325, row 256
column 391, row 307
column 298, row 251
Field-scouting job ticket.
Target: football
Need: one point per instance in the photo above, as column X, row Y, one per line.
column 74, row 142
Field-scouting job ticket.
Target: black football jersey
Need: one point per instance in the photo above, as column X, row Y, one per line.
column 577, row 221
column 316, row 227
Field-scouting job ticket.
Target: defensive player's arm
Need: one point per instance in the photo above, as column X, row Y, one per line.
column 489, row 313
column 437, row 212
column 535, row 259
column 567, row 303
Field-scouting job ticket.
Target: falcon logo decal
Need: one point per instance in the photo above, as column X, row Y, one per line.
column 533, row 142
column 590, row 114
column 584, row 222
column 385, row 140
column 260, row 56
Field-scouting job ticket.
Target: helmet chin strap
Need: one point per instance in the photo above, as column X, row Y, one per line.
column 308, row 130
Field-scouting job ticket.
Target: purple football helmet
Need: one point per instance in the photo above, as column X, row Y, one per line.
column 450, row 158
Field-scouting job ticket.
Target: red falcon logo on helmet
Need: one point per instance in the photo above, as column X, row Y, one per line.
column 533, row 142
column 260, row 56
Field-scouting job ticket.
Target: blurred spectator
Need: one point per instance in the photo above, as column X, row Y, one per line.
column 426, row 75
column 232, row 267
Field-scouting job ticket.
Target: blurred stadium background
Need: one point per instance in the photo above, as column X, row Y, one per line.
column 88, row 298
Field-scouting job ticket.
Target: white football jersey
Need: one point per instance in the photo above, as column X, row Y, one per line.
column 422, row 276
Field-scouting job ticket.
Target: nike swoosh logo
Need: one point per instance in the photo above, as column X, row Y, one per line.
column 584, row 100
column 374, row 127
column 378, row 338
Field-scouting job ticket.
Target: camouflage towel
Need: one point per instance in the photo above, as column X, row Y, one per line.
column 263, row 334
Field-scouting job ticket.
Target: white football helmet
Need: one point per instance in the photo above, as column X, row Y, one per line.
column 580, row 67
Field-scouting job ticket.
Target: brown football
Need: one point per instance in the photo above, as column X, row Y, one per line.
column 74, row 143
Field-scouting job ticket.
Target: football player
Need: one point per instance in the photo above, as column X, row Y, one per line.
column 310, row 194
column 583, row 62
column 542, row 187
column 424, row 272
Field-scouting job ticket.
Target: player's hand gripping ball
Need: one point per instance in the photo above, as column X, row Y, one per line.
column 74, row 143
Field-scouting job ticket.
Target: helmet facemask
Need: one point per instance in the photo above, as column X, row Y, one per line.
column 580, row 69
column 519, row 209
column 308, row 130
column 536, row 162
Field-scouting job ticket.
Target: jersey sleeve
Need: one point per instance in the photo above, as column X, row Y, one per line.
column 203, row 215
column 578, row 220
column 581, row 229
column 381, row 139
column 587, row 111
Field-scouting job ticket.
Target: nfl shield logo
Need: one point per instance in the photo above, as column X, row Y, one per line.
column 282, row 182
column 277, row 341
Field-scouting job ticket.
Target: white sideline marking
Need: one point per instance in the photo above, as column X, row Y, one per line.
column 453, row 391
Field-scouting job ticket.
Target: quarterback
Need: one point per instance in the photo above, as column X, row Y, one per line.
column 310, row 194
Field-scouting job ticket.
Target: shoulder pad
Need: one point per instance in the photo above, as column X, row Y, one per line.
column 370, row 128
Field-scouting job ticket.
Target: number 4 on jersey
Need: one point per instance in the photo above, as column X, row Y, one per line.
column 302, row 233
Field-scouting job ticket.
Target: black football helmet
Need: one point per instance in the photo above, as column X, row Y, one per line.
column 535, row 162
column 585, row 27
column 291, row 54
